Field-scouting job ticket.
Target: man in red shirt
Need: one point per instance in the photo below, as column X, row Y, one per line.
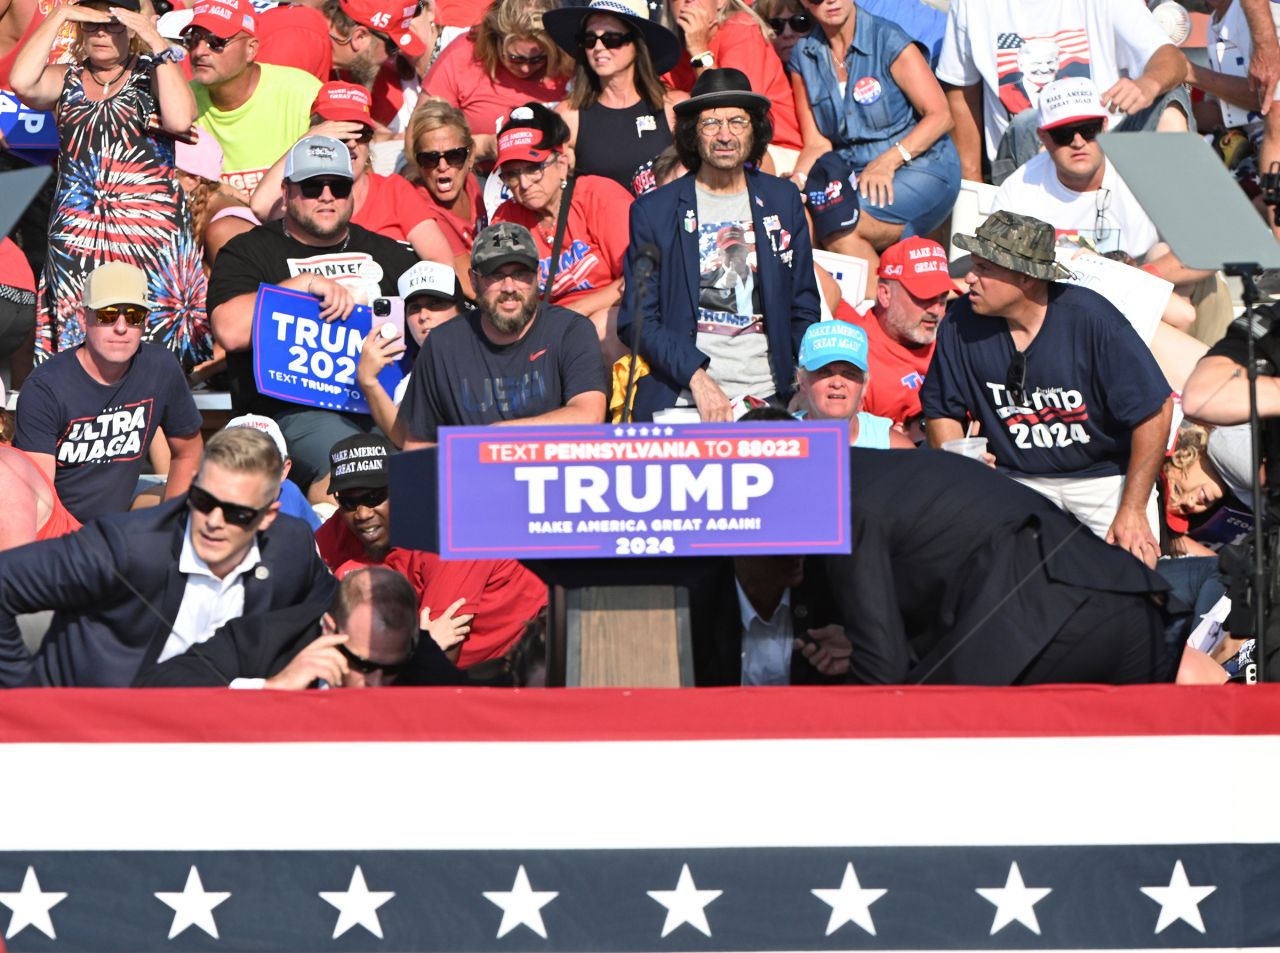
column 503, row 597
column 902, row 325
column 352, row 36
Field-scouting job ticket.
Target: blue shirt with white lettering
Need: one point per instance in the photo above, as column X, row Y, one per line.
column 1089, row 381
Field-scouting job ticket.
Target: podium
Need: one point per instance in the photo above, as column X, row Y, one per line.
column 621, row 523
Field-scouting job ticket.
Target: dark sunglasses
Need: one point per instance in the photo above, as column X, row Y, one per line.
column 519, row 60
column 352, row 501
column 799, row 23
column 455, row 157
column 1015, row 379
column 364, row 665
column 314, row 188
column 133, row 315
column 111, row 26
column 203, row 501
column 216, row 44
column 612, row 39
column 1065, row 135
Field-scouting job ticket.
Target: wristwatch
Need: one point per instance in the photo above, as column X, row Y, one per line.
column 705, row 60
column 171, row 54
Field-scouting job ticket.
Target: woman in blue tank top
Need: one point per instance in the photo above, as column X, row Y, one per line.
column 618, row 112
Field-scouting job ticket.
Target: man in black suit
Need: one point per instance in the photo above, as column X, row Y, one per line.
column 133, row 588
column 369, row 637
column 960, row 576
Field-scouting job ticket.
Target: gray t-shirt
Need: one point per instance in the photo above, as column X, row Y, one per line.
column 730, row 318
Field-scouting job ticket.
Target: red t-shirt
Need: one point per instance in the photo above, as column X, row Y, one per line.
column 460, row 232
column 459, row 78
column 458, row 12
column 594, row 240
column 392, row 207
column 297, row 36
column 740, row 44
column 896, row 371
column 503, row 594
column 15, row 270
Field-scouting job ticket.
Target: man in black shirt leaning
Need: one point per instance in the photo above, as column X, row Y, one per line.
column 316, row 250
column 513, row 360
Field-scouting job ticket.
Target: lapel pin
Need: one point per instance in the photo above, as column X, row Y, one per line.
column 261, row 572
column 690, row 222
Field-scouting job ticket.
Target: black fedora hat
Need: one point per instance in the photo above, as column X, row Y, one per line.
column 721, row 87
column 564, row 25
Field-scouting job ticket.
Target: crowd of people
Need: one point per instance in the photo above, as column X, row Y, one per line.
column 567, row 195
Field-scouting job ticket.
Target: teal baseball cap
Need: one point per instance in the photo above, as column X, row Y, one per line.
column 829, row 341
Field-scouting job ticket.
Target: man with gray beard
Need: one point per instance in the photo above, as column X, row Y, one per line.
column 513, row 360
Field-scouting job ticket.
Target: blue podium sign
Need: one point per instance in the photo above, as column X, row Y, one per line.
column 301, row 359
column 644, row 490
column 26, row 129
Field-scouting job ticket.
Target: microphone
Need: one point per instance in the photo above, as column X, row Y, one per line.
column 648, row 257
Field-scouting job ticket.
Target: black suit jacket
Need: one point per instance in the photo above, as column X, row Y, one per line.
column 716, row 620
column 116, row 589
column 260, row 646
column 959, row 575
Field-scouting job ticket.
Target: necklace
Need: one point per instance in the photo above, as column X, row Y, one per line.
column 106, row 87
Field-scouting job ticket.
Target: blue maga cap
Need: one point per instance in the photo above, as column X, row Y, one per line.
column 829, row 341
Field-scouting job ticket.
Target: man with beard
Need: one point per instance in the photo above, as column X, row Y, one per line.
column 353, row 38
column 255, row 111
column 511, row 361
column 314, row 250
column 728, row 303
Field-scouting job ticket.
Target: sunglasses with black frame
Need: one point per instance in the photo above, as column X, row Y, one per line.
column 352, row 500
column 455, row 157
column 365, row 666
column 314, row 188
column 1015, row 379
column 1065, row 135
column 202, row 501
column 799, row 23
column 612, row 39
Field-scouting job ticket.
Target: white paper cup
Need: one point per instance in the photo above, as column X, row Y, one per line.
column 973, row 447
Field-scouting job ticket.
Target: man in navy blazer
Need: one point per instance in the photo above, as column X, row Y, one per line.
column 733, row 289
column 131, row 589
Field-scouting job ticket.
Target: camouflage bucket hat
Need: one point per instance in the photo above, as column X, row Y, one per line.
column 1017, row 242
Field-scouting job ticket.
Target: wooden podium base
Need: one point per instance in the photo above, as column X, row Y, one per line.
column 620, row 637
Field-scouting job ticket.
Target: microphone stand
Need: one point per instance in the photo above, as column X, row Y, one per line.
column 647, row 259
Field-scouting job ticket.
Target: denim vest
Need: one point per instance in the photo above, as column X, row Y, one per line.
column 874, row 111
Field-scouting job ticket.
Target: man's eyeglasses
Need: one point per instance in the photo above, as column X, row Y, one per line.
column 517, row 59
column 1101, row 230
column 366, row 665
column 1065, row 135
column 611, row 39
column 111, row 26
column 1015, row 379
column 799, row 23
column 455, row 157
column 314, row 188
column 202, row 501
column 530, row 173
column 216, row 44
column 711, row 127
column 352, row 500
column 133, row 315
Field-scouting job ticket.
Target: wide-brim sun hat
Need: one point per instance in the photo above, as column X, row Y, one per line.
column 1017, row 242
column 721, row 87
column 564, row 25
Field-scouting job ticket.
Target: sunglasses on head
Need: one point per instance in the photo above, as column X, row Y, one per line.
column 216, row 44
column 352, row 500
column 202, row 501
column 314, row 188
column 364, row 665
column 455, row 157
column 1015, row 379
column 611, row 39
column 520, row 60
column 133, row 315
column 799, row 23
column 1065, row 135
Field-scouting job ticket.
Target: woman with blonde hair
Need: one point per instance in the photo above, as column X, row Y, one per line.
column 117, row 197
column 439, row 153
column 505, row 60
column 720, row 33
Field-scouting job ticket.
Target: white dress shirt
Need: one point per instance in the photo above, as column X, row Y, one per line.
column 207, row 601
column 766, row 644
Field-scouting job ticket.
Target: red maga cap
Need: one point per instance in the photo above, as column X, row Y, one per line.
column 343, row 102
column 389, row 17
column 521, row 145
column 920, row 265
column 224, row 18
